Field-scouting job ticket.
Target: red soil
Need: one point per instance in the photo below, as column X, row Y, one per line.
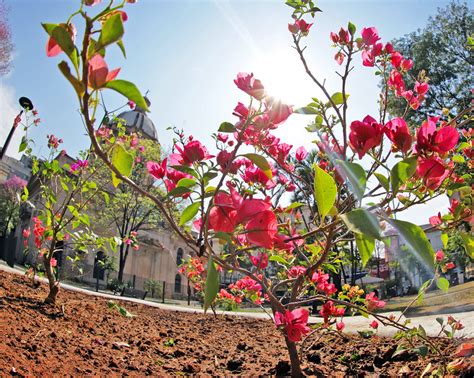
column 82, row 336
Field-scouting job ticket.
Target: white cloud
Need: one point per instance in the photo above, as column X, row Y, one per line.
column 8, row 111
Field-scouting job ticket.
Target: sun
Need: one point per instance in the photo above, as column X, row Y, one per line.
column 279, row 72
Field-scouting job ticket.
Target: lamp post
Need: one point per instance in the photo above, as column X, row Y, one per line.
column 27, row 105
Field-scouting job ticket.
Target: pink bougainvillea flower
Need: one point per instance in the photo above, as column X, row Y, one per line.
column 299, row 26
column 365, row 135
column 374, row 324
column 78, row 165
column 254, row 175
column 301, row 153
column 398, row 132
column 99, row 73
column 439, row 256
column 329, row 310
column 293, row 28
column 450, row 265
column 53, row 262
column 247, row 83
column 52, row 47
column 260, row 260
column 432, row 171
column 396, row 59
column 296, row 271
column 91, row 3
column 157, row 170
column 395, row 82
column 339, row 57
column 436, row 220
column 303, row 26
column 430, row 139
column 294, row 322
column 369, row 54
column 446, row 139
column 370, row 35
column 421, row 88
column 194, row 151
column 406, row 64
column 340, row 326
column 373, row 302
column 190, row 153
column 262, row 229
column 277, row 111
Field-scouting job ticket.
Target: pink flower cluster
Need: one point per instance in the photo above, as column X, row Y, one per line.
column 53, row 142
column 321, row 280
column 373, row 302
column 295, row 323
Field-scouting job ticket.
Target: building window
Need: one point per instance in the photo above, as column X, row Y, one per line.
column 179, row 257
column 98, row 270
column 177, row 284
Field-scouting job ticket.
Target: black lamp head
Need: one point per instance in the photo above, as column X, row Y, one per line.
column 26, row 103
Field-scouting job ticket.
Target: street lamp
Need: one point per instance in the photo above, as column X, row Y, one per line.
column 27, row 105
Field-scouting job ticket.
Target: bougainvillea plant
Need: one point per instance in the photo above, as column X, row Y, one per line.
column 62, row 190
column 236, row 216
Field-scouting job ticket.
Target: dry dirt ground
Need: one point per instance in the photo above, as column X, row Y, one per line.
column 81, row 335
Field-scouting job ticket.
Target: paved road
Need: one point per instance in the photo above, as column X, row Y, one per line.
column 353, row 324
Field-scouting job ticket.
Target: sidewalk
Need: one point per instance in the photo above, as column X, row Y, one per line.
column 352, row 323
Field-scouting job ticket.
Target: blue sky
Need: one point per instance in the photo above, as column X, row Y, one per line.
column 187, row 53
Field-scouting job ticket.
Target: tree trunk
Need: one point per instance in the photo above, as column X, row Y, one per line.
column 53, row 284
column 121, row 264
column 294, row 358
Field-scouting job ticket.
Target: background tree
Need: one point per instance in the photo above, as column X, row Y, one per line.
column 127, row 212
column 6, row 45
column 10, row 191
column 443, row 49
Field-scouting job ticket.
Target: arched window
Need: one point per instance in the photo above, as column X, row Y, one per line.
column 179, row 257
column 177, row 284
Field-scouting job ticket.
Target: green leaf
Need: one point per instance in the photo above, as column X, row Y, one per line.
column 306, row 110
column 112, row 31
column 122, row 48
column 325, row 191
column 356, row 176
column 179, row 191
column 212, row 284
column 383, row 181
column 338, row 98
column 186, row 182
column 294, row 205
column 189, row 213
column 468, row 243
column 421, row 291
column 401, row 172
column 416, row 241
column 443, row 284
column 352, row 28
column 123, row 161
column 226, row 127
column 459, row 159
column 78, row 86
column 129, row 90
column 23, row 144
column 362, row 221
column 445, row 239
column 260, row 162
column 366, row 246
column 422, row 350
column 62, row 37
column 279, row 259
